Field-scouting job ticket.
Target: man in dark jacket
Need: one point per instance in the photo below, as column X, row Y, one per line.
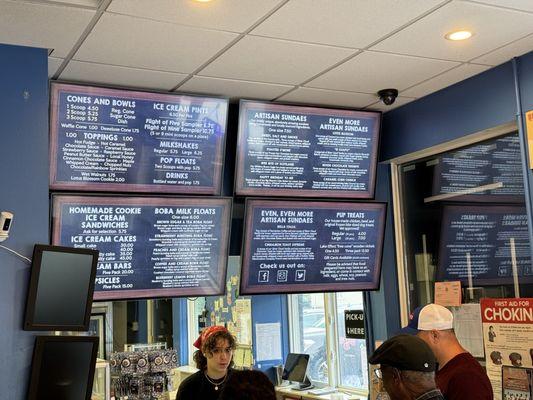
column 407, row 368
column 459, row 376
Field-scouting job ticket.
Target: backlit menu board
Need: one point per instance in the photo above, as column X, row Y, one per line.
column 149, row 247
column 121, row 140
column 306, row 152
column 291, row 247
column 480, row 243
column 496, row 162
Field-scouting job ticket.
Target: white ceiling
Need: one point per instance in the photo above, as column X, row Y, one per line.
column 327, row 52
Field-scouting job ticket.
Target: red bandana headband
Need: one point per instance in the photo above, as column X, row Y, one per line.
column 205, row 335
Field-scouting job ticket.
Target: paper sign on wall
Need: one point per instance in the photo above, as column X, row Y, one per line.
column 448, row 294
column 508, row 336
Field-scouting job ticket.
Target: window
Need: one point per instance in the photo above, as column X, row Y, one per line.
column 465, row 219
column 317, row 329
column 353, row 367
column 461, row 216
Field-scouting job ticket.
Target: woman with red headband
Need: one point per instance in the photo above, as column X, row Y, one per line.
column 214, row 359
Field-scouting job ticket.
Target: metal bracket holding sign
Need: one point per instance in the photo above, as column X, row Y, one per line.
column 354, row 324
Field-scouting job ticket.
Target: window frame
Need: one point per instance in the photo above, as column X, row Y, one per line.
column 332, row 342
column 396, row 165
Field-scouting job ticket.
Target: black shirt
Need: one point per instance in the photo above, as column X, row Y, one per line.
column 197, row 386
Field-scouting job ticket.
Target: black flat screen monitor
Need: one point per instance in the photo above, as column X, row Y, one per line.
column 295, row 367
column 311, row 246
column 295, row 151
column 118, row 140
column 61, row 288
column 63, row 367
column 149, row 246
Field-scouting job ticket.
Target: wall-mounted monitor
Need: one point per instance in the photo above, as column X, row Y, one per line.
column 485, row 245
column 105, row 139
column 295, row 246
column 149, row 246
column 490, row 171
column 286, row 150
column 61, row 289
column 63, row 367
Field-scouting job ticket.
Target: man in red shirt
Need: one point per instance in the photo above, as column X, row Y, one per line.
column 459, row 375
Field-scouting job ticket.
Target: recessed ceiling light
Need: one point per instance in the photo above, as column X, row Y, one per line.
column 202, row 1
column 458, row 35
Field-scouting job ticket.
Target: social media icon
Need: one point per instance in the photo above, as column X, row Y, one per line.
column 263, row 276
column 282, row 275
column 300, row 276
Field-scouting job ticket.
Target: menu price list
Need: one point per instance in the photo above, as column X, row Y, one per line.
column 149, row 247
column 301, row 151
column 495, row 161
column 316, row 246
column 106, row 139
column 479, row 243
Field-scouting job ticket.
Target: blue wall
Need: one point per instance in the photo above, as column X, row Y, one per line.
column 24, row 179
column 384, row 304
column 270, row 309
column 483, row 101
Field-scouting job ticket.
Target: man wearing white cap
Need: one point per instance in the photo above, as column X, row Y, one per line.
column 459, row 375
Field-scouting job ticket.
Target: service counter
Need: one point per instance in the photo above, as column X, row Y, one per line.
column 286, row 393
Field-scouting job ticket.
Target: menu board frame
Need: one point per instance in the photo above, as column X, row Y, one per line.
column 242, row 190
column 59, row 199
column 276, row 288
column 130, row 93
column 442, row 274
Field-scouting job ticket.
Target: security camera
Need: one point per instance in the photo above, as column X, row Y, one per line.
column 387, row 96
column 5, row 224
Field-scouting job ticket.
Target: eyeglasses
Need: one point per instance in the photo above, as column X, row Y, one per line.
column 379, row 371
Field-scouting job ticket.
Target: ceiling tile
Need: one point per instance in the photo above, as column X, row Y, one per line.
column 53, row 65
column 121, row 76
column 526, row 5
column 274, row 61
column 234, row 89
column 370, row 71
column 506, row 53
column 347, row 23
column 492, row 27
column 446, row 79
column 379, row 106
column 85, row 3
column 329, row 97
column 47, row 26
column 230, row 15
column 141, row 43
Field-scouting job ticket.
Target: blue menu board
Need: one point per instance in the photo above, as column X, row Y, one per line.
column 481, row 243
column 121, row 140
column 495, row 163
column 291, row 247
column 149, row 247
column 306, row 152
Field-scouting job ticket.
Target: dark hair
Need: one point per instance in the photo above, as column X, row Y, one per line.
column 248, row 385
column 496, row 357
column 209, row 346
